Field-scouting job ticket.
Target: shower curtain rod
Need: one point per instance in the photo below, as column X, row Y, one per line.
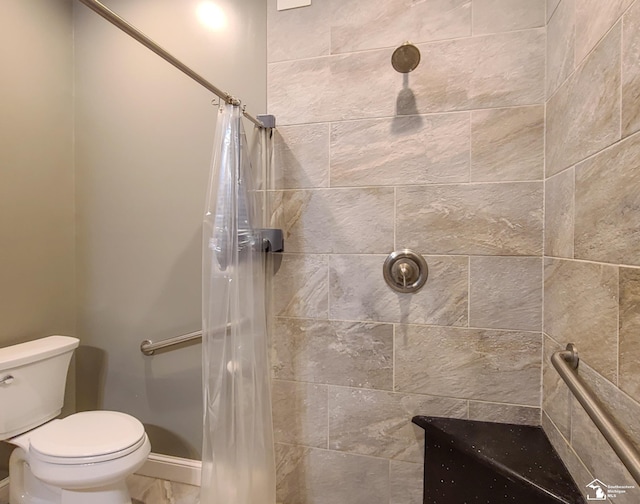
column 133, row 32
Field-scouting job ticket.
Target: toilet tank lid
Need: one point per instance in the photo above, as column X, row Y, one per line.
column 31, row 351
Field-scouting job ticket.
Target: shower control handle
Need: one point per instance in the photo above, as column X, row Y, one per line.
column 405, row 271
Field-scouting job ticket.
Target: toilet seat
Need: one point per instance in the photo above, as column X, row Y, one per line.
column 86, row 438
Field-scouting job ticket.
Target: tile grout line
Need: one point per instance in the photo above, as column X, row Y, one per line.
column 395, row 218
column 544, row 219
column 617, row 383
column 469, row 291
column 573, row 220
column 389, row 48
column 419, row 185
column 529, row 332
column 621, row 70
column 328, row 420
column 328, row 256
column 412, row 394
column 393, row 358
column 470, row 171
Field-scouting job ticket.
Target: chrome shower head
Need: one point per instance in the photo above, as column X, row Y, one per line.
column 405, row 58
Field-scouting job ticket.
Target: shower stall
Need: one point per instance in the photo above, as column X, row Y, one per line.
column 507, row 158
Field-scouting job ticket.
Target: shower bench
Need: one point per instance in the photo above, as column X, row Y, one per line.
column 468, row 462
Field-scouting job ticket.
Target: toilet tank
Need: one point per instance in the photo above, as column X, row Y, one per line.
column 32, row 381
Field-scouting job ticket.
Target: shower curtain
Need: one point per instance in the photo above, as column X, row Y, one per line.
column 238, row 458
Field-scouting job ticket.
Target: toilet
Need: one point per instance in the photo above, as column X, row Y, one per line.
column 81, row 459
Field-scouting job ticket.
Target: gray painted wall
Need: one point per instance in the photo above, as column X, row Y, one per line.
column 37, row 251
column 143, row 145
column 139, row 136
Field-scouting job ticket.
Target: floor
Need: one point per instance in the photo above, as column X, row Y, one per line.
column 147, row 491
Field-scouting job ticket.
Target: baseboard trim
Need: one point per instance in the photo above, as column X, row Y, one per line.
column 4, row 489
column 179, row 470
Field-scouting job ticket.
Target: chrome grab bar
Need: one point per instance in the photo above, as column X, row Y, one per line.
column 566, row 363
column 148, row 347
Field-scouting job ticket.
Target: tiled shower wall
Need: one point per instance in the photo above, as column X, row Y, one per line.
column 448, row 161
column 592, row 226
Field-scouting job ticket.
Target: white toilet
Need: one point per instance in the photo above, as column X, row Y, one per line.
column 81, row 459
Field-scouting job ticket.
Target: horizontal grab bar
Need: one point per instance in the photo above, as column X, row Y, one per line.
column 148, row 347
column 566, row 363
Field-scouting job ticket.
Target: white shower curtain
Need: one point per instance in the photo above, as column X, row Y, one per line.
column 238, row 459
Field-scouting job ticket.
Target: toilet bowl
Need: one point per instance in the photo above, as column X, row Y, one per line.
column 87, row 456
column 81, row 459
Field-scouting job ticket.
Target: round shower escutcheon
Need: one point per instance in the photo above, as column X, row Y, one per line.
column 405, row 271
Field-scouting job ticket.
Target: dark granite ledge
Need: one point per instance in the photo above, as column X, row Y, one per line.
column 521, row 454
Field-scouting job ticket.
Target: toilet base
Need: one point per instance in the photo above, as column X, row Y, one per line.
column 112, row 494
column 25, row 488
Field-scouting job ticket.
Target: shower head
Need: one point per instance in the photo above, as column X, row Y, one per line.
column 405, row 58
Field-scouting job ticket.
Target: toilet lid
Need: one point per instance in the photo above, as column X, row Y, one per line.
column 87, row 434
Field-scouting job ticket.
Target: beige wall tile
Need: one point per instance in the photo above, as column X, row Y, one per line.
column 507, row 144
column 556, row 396
column 407, row 482
column 559, row 214
column 358, row 292
column 561, row 45
column 458, row 219
column 503, row 413
column 146, row 490
column 300, row 413
column 576, row 468
column 594, row 18
column 583, row 116
column 300, row 287
column 404, row 150
column 485, row 365
column 337, row 220
column 625, row 410
column 358, row 25
column 506, row 293
column 302, row 156
column 313, row 476
column 343, row 87
column 552, row 5
column 299, row 91
column 491, row 16
column 631, row 71
column 499, row 70
column 608, row 205
column 581, row 307
column 377, row 423
column 298, row 33
column 354, row 354
column 629, row 379
column 598, row 456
